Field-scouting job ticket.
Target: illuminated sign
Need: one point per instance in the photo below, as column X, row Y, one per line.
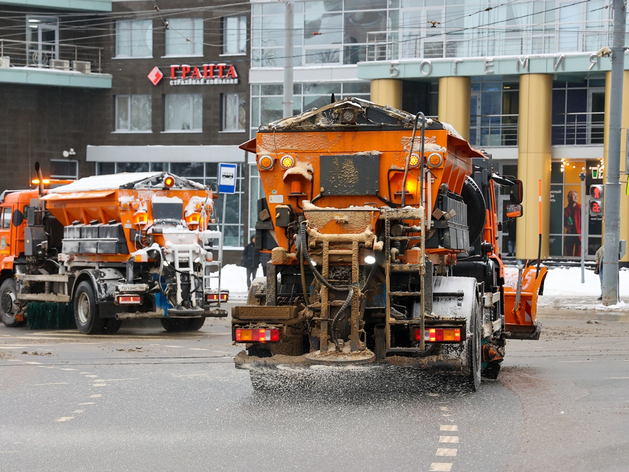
column 205, row 74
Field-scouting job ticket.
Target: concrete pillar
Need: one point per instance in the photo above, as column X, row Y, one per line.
column 624, row 199
column 387, row 92
column 454, row 103
column 534, row 161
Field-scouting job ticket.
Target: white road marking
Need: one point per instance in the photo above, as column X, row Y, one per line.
column 51, row 383
column 78, row 411
column 440, row 467
column 12, row 347
column 448, row 427
column 198, row 349
column 575, row 362
column 116, row 380
column 99, row 385
column 14, row 360
column 87, row 403
column 446, row 452
column 444, row 408
column 175, row 347
column 91, row 375
column 449, row 439
column 33, row 363
column 65, row 418
column 68, row 369
column 96, row 395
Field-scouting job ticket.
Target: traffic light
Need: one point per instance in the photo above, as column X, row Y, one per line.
column 596, row 200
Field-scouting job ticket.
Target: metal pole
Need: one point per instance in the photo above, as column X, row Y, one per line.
column 612, row 185
column 583, row 226
column 289, row 20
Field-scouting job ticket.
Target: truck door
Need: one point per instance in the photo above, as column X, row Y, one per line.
column 5, row 232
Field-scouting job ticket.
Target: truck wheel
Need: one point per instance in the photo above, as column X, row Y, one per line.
column 474, row 349
column 175, row 325
column 86, row 314
column 195, row 324
column 8, row 309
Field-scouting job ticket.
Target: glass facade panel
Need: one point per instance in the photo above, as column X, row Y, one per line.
column 235, row 34
column 133, row 113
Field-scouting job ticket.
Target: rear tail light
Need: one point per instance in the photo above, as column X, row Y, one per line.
column 257, row 335
column 214, row 297
column 439, row 335
column 128, row 299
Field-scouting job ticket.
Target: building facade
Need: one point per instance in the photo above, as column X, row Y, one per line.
column 528, row 82
column 98, row 86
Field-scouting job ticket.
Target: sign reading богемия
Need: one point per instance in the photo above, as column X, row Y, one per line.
column 206, row 74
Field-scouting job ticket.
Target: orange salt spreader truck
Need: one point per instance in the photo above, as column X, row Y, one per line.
column 383, row 233
column 110, row 248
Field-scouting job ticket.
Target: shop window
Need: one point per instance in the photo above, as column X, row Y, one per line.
column 183, row 112
column 64, row 169
column 184, row 37
column 133, row 113
column 235, row 35
column 134, row 38
column 234, row 112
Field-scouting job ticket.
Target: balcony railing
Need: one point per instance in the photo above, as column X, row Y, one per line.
column 412, row 44
column 494, row 130
column 579, row 128
column 45, row 55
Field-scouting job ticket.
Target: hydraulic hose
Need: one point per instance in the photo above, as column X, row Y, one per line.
column 337, row 317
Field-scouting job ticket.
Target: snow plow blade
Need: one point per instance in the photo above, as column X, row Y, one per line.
column 520, row 293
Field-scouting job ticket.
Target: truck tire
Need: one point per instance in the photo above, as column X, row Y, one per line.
column 86, row 313
column 8, row 309
column 195, row 324
column 475, row 348
column 175, row 325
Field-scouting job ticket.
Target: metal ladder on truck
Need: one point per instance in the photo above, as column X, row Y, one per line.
column 213, row 242
column 390, row 267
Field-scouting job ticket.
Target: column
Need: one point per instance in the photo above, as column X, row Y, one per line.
column 454, row 103
column 387, row 92
column 534, row 162
column 624, row 199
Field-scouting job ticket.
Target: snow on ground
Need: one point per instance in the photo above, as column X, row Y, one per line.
column 562, row 289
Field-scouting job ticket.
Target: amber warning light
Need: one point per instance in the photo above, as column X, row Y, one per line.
column 169, row 181
column 440, row 335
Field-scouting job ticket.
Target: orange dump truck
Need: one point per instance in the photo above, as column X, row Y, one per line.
column 112, row 247
column 382, row 228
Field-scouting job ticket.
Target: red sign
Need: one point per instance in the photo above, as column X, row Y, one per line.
column 206, row 74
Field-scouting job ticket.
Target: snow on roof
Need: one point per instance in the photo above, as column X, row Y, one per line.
column 104, row 182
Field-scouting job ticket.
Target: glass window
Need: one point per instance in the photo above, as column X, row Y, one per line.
column 134, row 38
column 184, row 112
column 6, row 218
column 63, row 169
column 235, row 35
column 234, row 112
column 184, row 37
column 187, row 169
column 133, row 112
column 132, row 167
column 105, row 168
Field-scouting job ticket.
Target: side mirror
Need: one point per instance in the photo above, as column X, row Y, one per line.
column 514, row 210
column 516, row 193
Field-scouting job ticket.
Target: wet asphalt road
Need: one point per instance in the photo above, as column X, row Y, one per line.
column 149, row 400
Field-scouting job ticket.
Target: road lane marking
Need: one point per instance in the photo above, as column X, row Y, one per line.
column 444, row 408
column 449, row 439
column 440, row 467
column 65, row 418
column 98, row 385
column 78, row 411
column 50, row 383
column 91, row 376
column 96, row 395
column 446, row 452
column 68, row 369
column 448, row 427
column 116, row 380
column 33, row 363
column 87, row 403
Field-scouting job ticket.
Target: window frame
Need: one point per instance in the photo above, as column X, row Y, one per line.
column 240, row 110
column 192, row 97
column 130, row 54
column 240, row 35
column 197, row 23
column 130, row 98
column 64, row 176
